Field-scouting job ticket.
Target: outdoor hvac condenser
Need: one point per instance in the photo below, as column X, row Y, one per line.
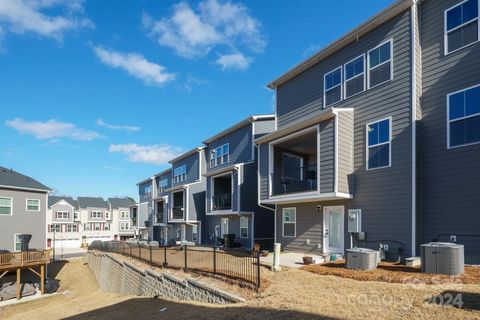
column 442, row 258
column 362, row 258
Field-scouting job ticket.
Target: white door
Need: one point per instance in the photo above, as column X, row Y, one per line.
column 333, row 229
column 224, row 226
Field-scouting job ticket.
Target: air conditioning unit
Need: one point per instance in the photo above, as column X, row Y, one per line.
column 442, row 258
column 362, row 259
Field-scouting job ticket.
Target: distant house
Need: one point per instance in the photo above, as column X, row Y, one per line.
column 63, row 223
column 96, row 219
column 23, row 210
column 122, row 223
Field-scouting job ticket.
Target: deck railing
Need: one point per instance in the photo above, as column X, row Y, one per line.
column 229, row 264
column 10, row 260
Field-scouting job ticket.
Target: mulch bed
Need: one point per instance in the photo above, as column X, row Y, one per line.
column 394, row 273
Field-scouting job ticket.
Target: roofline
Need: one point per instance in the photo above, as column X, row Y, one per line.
column 25, row 188
column 163, row 172
column 373, row 22
column 239, row 125
column 61, row 201
column 186, row 154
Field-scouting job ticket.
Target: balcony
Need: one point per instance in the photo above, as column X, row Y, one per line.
column 178, row 208
column 177, row 213
column 302, row 179
column 222, row 202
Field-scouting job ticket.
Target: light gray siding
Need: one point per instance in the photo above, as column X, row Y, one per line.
column 450, row 178
column 345, row 152
column 327, row 156
column 263, row 127
column 142, row 191
column 168, row 177
column 64, row 208
column 22, row 221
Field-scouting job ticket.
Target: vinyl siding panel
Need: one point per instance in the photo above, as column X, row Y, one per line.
column 64, row 208
column 193, row 168
column 23, row 221
column 233, row 228
column 263, row 127
column 141, row 191
column 450, row 179
column 345, row 152
column 168, row 177
column 327, row 156
column 263, row 171
column 196, row 201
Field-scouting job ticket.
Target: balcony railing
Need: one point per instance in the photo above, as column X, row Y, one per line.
column 302, row 179
column 159, row 217
column 222, row 201
column 177, row 212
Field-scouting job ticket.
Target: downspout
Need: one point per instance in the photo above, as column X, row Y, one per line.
column 413, row 14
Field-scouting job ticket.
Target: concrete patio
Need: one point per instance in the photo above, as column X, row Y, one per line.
column 291, row 259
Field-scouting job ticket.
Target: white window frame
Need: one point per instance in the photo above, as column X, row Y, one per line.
column 55, row 224
column 325, row 85
column 363, row 74
column 62, row 213
column 183, row 191
column 379, row 65
column 15, row 235
column 458, row 119
column 147, row 192
column 445, row 32
column 26, row 205
column 379, row 144
column 182, row 176
column 162, row 185
column 107, row 226
column 95, row 224
column 195, row 232
column 123, row 224
column 124, row 217
column 294, row 223
column 245, row 220
column 93, row 215
column 11, row 206
column 217, row 160
column 72, row 226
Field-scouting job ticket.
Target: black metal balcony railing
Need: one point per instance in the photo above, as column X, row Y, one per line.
column 222, row 201
column 301, row 179
column 177, row 212
column 159, row 217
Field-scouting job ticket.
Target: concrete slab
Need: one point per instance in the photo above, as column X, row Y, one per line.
column 290, row 259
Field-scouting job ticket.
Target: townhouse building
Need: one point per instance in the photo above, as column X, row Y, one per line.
column 64, row 225
column 122, row 219
column 381, row 127
column 23, row 210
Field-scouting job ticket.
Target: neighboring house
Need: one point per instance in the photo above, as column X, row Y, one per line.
column 384, row 122
column 232, row 184
column 159, row 217
column 23, row 210
column 64, row 226
column 144, row 227
column 122, row 223
column 96, row 219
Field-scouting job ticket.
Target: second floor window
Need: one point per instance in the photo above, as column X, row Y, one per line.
column 180, row 174
column 379, row 144
column 354, row 77
column 464, row 117
column 380, row 66
column 6, row 206
column 124, row 215
column 220, row 155
column 147, row 192
column 461, row 25
column 72, row 228
column 332, row 87
column 61, row 215
column 55, row 228
column 33, row 205
column 162, row 185
column 96, row 215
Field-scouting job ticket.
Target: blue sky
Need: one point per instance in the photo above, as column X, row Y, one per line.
column 98, row 95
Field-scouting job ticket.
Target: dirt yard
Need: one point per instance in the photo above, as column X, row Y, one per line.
column 290, row 294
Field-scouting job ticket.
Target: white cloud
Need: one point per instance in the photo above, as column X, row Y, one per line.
column 129, row 128
column 195, row 32
column 233, row 61
column 52, row 129
column 29, row 16
column 136, row 65
column 153, row 154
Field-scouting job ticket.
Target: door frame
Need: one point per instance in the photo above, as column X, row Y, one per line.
column 326, row 249
column 222, row 229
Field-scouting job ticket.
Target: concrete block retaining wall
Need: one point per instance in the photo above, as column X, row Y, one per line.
column 124, row 278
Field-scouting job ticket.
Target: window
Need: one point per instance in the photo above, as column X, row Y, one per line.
column 217, row 231
column 243, row 227
column 147, row 192
column 61, row 215
column 354, row 76
column 33, row 205
column 461, row 25
column 124, row 215
column 18, row 244
column 289, row 222
column 107, row 214
column 97, row 226
column 332, row 87
column 464, row 117
column 378, row 144
column 380, row 66
column 180, row 174
column 178, row 234
column 96, row 214
column 124, row 226
column 162, row 185
column 75, row 215
column 5, row 205
column 72, row 228
column 194, row 233
column 55, row 228
column 220, row 155
column 106, row 226
column 87, row 227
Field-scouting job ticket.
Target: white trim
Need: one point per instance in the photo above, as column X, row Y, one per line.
column 446, row 32
column 223, row 232
column 215, row 158
column 179, row 176
column 248, row 228
column 62, row 212
column 252, row 240
column 294, row 223
column 26, row 205
column 338, row 85
column 11, row 206
column 239, row 175
column 335, row 178
column 459, row 119
column 390, row 119
column 170, row 216
column 342, row 229
column 253, row 142
column 308, row 197
column 61, row 200
column 318, row 158
column 378, row 65
column 363, row 74
column 15, row 242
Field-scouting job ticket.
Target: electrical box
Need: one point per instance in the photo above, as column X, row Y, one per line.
column 354, row 220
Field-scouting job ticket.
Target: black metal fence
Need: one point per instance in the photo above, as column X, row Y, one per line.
column 297, row 180
column 228, row 264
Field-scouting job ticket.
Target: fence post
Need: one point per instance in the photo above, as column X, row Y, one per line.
column 151, row 261
column 257, row 252
column 214, row 259
column 186, row 258
column 165, row 264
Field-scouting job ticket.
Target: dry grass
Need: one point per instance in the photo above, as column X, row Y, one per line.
column 291, row 294
column 394, row 273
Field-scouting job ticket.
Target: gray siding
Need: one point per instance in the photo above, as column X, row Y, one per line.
column 141, row 191
column 196, row 201
column 450, row 179
column 327, row 156
column 168, row 177
column 345, row 152
column 263, row 127
column 21, row 221
column 263, row 171
column 62, row 207
column 193, row 168
column 233, row 228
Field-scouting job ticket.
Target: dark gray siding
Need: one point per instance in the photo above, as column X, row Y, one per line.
column 345, row 152
column 450, row 179
column 21, row 221
column 196, row 201
column 263, row 127
column 193, row 168
column 141, row 191
column 233, row 228
column 263, row 171
column 327, row 156
column 248, row 187
column 168, row 177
